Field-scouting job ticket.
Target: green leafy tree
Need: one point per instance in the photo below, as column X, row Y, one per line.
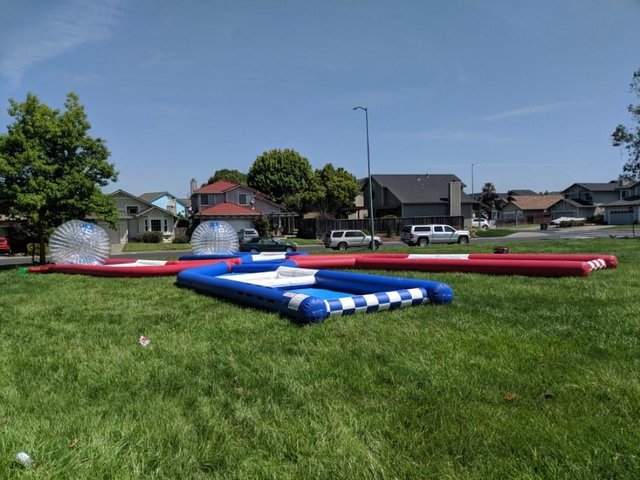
column 230, row 175
column 630, row 137
column 51, row 168
column 286, row 177
column 336, row 190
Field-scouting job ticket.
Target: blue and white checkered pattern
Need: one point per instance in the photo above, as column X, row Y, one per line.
column 373, row 302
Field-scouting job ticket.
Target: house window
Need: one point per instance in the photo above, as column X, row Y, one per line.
column 166, row 225
column 244, row 198
column 146, row 225
column 207, row 199
column 156, row 225
column 624, row 193
column 132, row 209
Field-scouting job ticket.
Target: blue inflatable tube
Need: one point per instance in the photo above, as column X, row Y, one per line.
column 311, row 296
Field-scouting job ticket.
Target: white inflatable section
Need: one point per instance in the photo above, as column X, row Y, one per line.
column 214, row 237
column 268, row 256
column 282, row 277
column 140, row 263
column 444, row 256
column 79, row 242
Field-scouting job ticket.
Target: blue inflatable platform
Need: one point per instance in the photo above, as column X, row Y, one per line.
column 311, row 296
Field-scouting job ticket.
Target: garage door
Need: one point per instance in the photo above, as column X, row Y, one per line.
column 620, row 217
column 237, row 224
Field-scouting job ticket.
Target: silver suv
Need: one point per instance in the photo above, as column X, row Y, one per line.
column 423, row 235
column 246, row 233
column 343, row 239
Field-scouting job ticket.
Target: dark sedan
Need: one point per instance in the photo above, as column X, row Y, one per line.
column 267, row 244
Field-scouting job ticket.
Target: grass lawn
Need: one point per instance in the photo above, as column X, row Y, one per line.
column 132, row 247
column 518, row 378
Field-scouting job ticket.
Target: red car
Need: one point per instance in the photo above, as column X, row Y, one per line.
column 4, row 245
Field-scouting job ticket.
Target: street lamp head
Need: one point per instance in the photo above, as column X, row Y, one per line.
column 361, row 108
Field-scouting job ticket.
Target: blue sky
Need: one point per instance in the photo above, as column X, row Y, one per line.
column 528, row 91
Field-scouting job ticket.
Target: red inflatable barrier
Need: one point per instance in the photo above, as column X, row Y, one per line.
column 542, row 268
column 611, row 261
column 118, row 268
column 325, row 261
column 533, row 264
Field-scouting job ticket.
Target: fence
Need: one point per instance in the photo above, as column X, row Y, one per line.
column 389, row 226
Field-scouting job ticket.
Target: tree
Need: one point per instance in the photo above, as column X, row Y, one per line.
column 630, row 137
column 51, row 169
column 488, row 197
column 336, row 190
column 235, row 176
column 286, row 177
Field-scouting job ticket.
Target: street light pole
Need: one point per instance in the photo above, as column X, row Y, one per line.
column 473, row 193
column 366, row 116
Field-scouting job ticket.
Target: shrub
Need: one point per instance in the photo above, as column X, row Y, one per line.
column 152, row 237
column 180, row 239
column 34, row 249
column 596, row 219
column 261, row 224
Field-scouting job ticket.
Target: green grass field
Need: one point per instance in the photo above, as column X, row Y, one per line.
column 519, row 378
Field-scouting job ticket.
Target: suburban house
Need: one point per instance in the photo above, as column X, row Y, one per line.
column 136, row 216
column 626, row 209
column 167, row 201
column 530, row 208
column 237, row 205
column 595, row 194
column 500, row 200
column 427, row 195
column 571, row 208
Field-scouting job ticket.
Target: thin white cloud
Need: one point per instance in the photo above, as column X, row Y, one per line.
column 69, row 25
column 532, row 110
column 460, row 136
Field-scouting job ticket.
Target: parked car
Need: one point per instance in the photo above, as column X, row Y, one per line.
column 247, row 233
column 423, row 235
column 267, row 244
column 4, row 245
column 480, row 223
column 343, row 239
column 568, row 221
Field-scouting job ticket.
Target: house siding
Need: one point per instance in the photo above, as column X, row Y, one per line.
column 132, row 225
column 171, row 204
column 578, row 192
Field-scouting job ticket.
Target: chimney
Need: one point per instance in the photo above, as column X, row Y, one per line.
column 193, row 186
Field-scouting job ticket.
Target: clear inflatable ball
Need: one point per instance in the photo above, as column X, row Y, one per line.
column 214, row 237
column 79, row 242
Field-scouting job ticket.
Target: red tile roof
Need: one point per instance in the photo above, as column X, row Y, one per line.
column 230, row 209
column 220, row 186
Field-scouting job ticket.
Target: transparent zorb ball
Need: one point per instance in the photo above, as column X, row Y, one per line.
column 79, row 242
column 214, row 237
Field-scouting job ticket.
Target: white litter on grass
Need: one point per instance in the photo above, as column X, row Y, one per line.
column 144, row 341
column 24, row 459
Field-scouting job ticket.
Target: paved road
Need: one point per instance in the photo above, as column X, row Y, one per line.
column 525, row 235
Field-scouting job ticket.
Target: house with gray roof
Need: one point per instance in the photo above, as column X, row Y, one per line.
column 418, row 195
column 136, row 216
column 593, row 193
column 626, row 209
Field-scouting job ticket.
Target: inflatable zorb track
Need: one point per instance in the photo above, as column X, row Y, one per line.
column 311, row 296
